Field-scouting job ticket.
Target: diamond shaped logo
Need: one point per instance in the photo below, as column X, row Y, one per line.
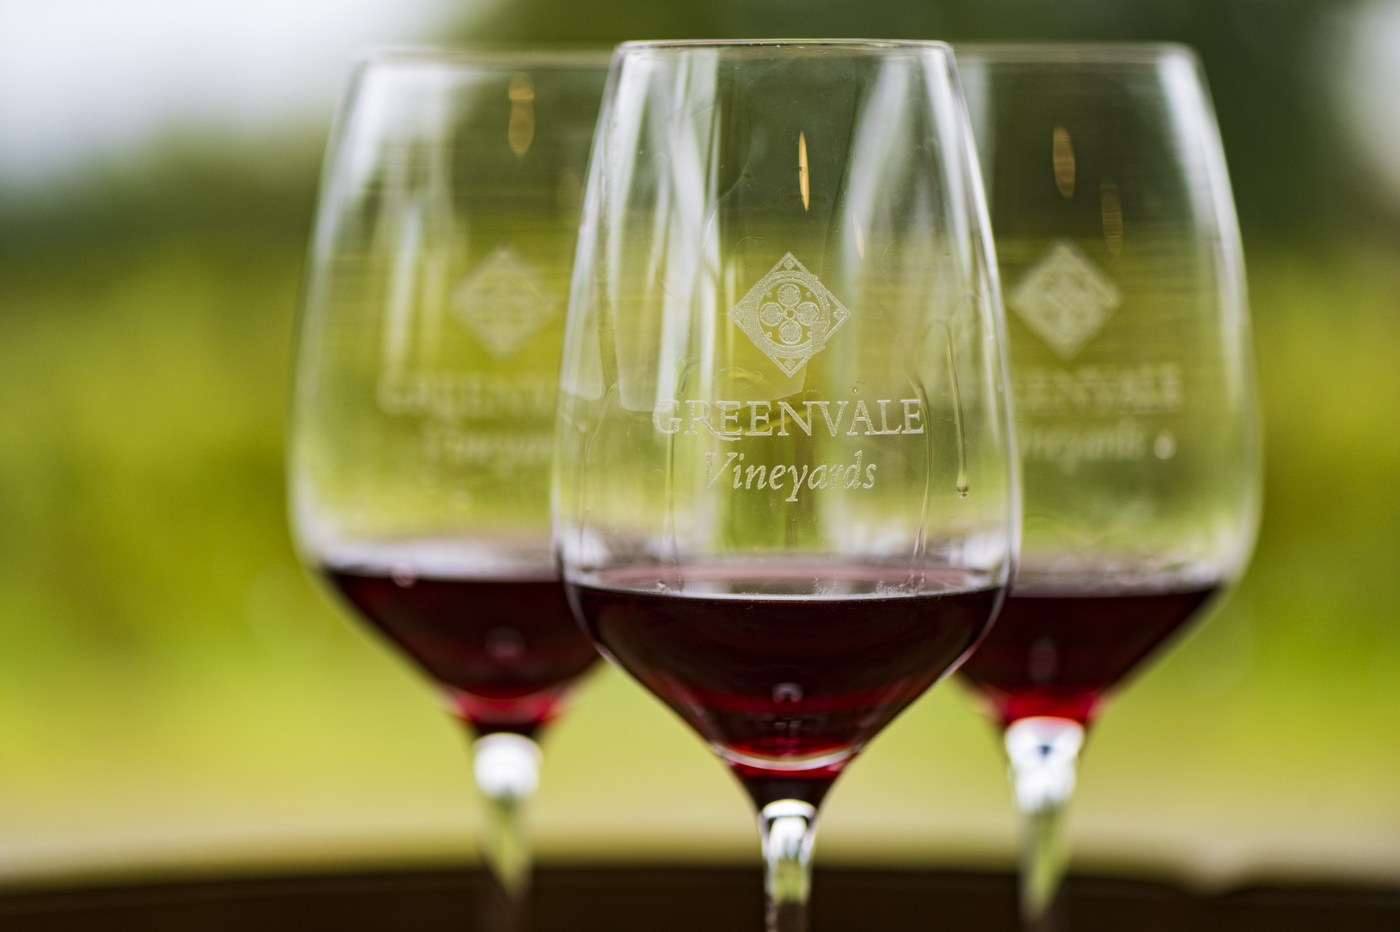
column 1065, row 299
column 504, row 301
column 789, row 314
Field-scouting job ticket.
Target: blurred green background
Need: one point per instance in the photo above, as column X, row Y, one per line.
column 175, row 696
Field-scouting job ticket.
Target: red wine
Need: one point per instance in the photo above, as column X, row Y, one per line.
column 786, row 688
column 1057, row 651
column 506, row 650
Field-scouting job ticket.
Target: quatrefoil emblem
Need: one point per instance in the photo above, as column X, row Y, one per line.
column 789, row 314
column 504, row 301
column 1065, row 299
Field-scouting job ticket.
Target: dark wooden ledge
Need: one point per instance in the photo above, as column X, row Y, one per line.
column 683, row 899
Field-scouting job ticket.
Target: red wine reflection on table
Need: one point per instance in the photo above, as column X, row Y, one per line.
column 786, row 687
column 1056, row 650
column 506, row 650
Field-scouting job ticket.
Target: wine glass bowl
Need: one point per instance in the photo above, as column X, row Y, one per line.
column 786, row 688
column 785, row 498
column 504, row 651
column 1066, row 645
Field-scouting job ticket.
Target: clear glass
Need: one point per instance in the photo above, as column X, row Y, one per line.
column 1134, row 388
column 427, row 367
column 786, row 498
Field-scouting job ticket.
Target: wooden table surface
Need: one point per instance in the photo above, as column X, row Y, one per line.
column 681, row 899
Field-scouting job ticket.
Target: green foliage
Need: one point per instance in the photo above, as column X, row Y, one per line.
column 164, row 666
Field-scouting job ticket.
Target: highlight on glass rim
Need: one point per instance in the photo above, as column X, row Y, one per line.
column 469, row 465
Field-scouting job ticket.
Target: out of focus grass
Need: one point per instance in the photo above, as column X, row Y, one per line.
column 174, row 693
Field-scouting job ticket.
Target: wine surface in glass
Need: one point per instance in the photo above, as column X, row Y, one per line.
column 1055, row 651
column 505, row 649
column 787, row 687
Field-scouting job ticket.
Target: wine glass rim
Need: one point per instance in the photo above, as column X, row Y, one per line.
column 1074, row 53
column 488, row 57
column 872, row 45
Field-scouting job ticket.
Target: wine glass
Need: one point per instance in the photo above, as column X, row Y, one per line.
column 786, row 497
column 1134, row 388
column 427, row 367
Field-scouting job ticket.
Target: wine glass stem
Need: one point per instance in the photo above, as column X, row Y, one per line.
column 789, row 827
column 507, row 772
column 1042, row 867
column 1044, row 755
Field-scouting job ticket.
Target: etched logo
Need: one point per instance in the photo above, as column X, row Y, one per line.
column 1065, row 299
column 503, row 301
column 789, row 314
